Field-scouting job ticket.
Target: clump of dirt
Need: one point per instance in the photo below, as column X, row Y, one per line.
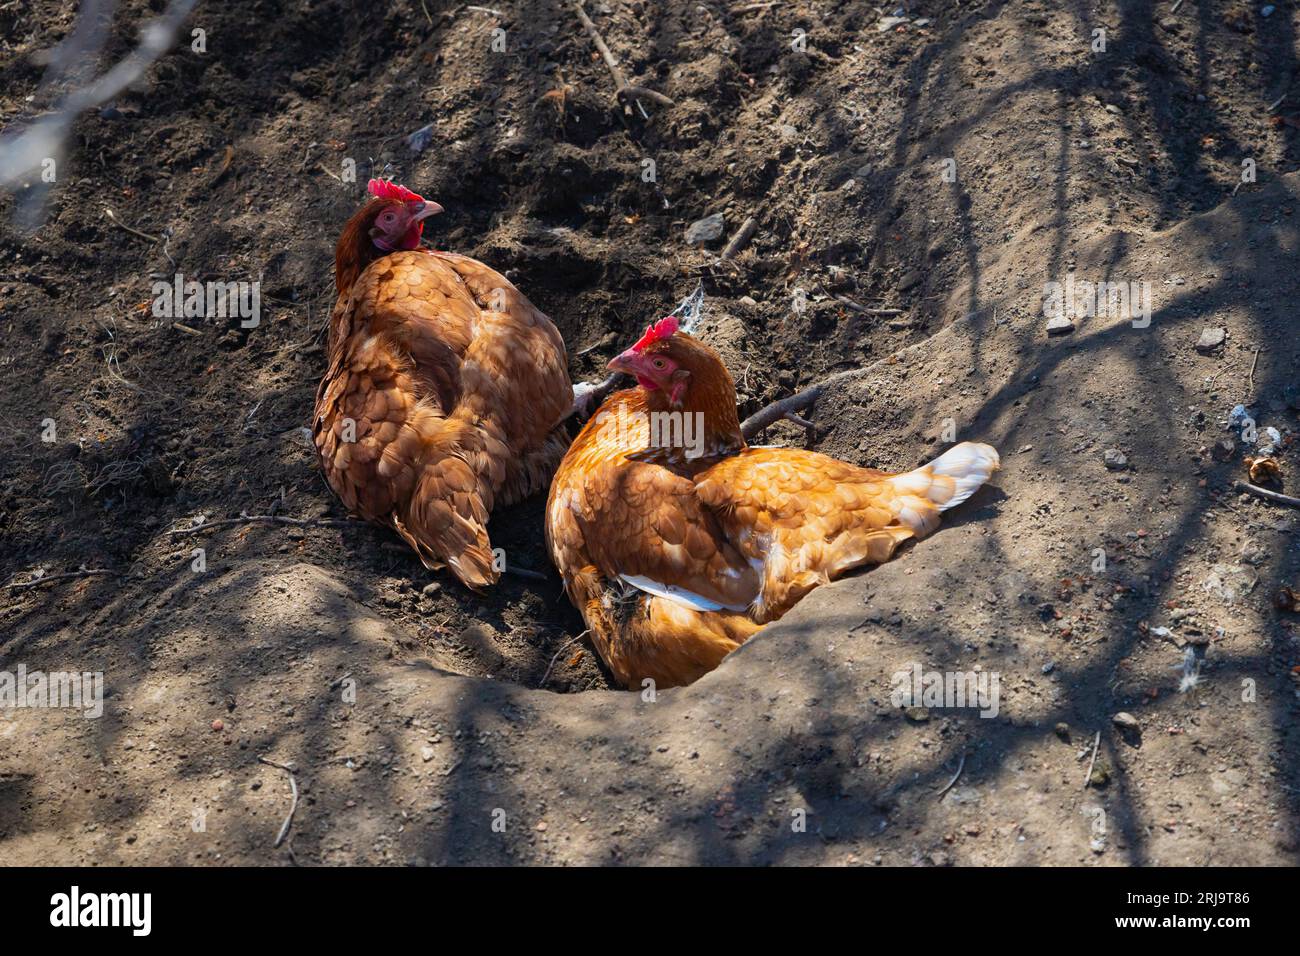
column 910, row 183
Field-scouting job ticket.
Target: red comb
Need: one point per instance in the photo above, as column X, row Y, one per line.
column 657, row 332
column 383, row 189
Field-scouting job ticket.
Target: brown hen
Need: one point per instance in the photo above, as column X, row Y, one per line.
column 677, row 542
column 444, row 389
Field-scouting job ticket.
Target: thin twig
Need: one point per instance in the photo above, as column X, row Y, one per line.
column 125, row 228
column 1250, row 382
column 18, row 586
column 960, row 766
column 756, row 422
column 641, row 93
column 293, row 808
column 620, row 80
column 1087, row 777
column 1259, row 492
column 266, row 519
column 741, row 238
column 801, row 422
column 525, row 573
column 623, row 90
column 557, row 656
column 865, row 309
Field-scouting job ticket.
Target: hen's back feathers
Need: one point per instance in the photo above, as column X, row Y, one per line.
column 443, row 392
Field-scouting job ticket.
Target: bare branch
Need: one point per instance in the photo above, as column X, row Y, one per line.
column 23, row 152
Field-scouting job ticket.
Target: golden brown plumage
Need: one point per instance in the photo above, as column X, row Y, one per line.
column 674, row 559
column 442, row 397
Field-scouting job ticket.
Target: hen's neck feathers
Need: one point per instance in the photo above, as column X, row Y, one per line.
column 355, row 249
column 712, row 394
column 625, row 425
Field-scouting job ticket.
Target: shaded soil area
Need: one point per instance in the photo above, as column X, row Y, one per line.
column 915, row 188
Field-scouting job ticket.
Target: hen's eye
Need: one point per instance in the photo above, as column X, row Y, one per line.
column 658, row 363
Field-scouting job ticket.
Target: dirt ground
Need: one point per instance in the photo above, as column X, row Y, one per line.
column 416, row 715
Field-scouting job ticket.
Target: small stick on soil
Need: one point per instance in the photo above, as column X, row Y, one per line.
column 266, row 519
column 1087, row 777
column 525, row 573
column 620, row 80
column 1250, row 382
column 622, row 89
column 960, row 767
column 557, row 656
column 864, row 309
column 328, row 172
column 756, row 422
column 1174, row 8
column 752, row 8
column 802, row 422
column 1276, row 103
column 125, row 228
column 1259, row 492
column 293, row 808
column 487, row 10
column 641, row 93
column 595, row 345
column 741, row 239
column 85, row 573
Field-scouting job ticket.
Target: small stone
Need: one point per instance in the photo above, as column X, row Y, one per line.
column 1211, row 338
column 1114, row 459
column 426, row 754
column 1062, row 730
column 917, row 715
column 705, row 230
column 1060, row 325
column 218, row 725
column 421, row 139
column 1100, row 776
column 1125, row 721
column 1224, row 449
column 430, row 589
column 909, row 280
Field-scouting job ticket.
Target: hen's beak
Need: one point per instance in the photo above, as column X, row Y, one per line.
column 629, row 362
column 424, row 210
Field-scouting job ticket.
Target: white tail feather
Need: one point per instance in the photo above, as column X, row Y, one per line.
column 969, row 465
